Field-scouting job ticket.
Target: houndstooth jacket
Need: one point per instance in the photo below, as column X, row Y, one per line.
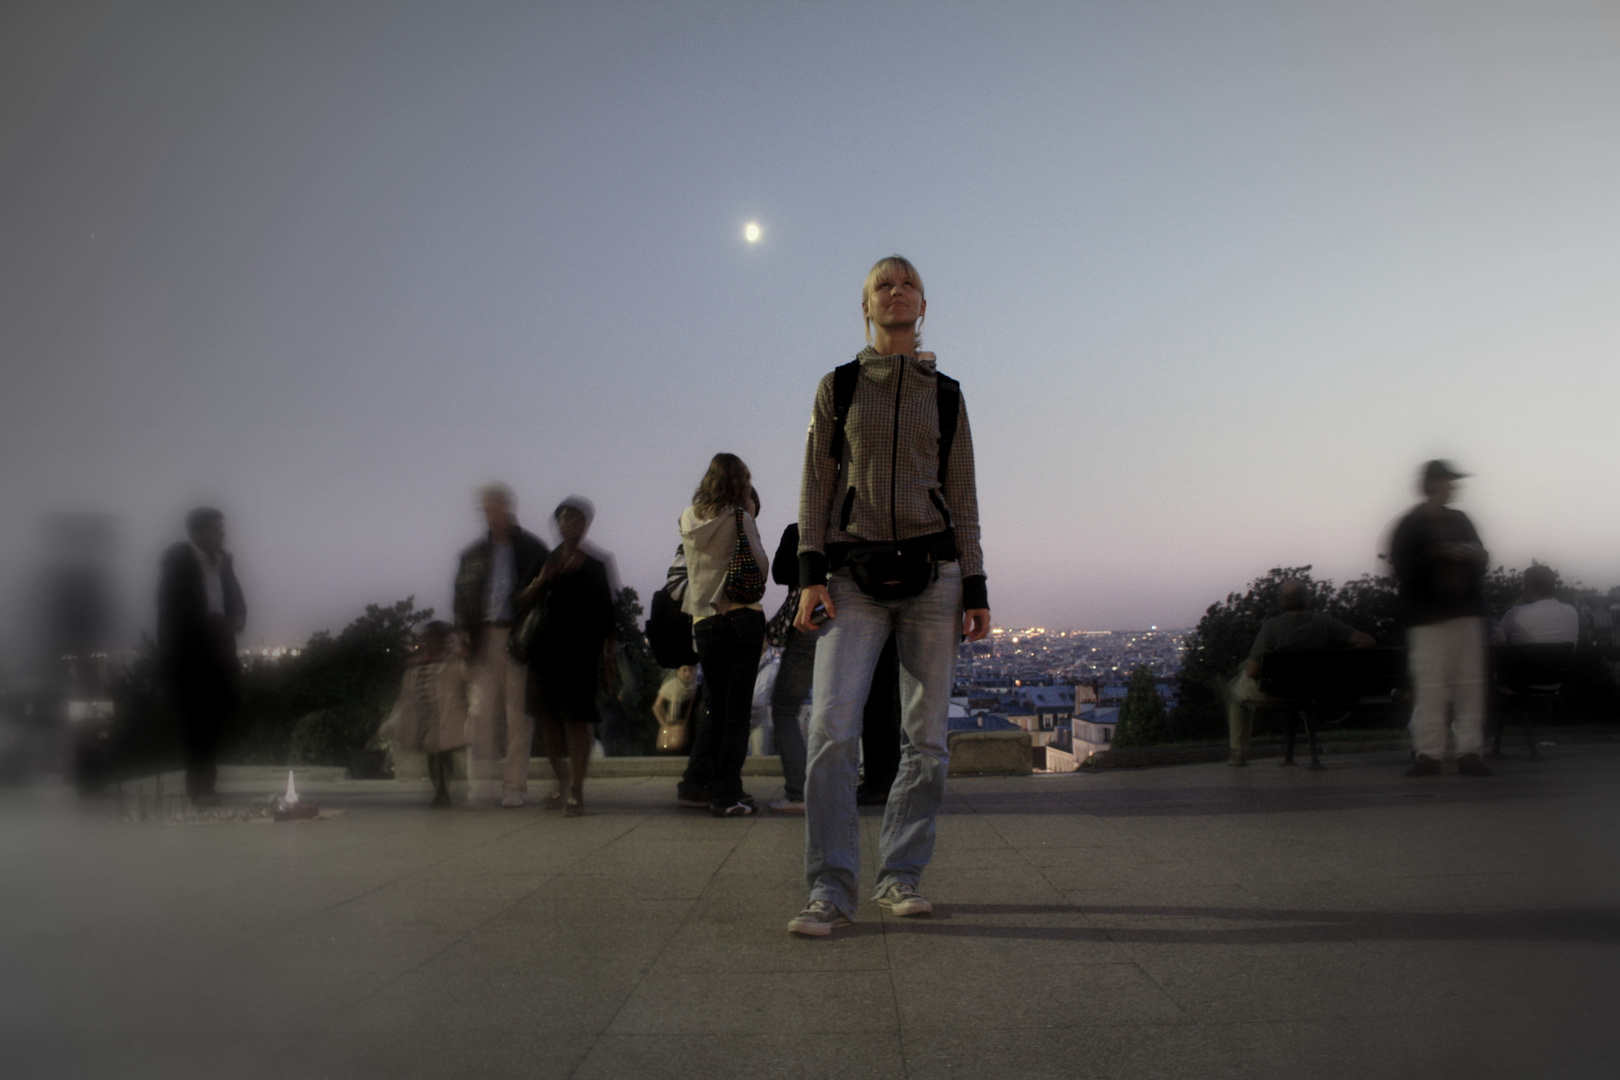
column 890, row 488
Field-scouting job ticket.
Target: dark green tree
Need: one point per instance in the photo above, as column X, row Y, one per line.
column 1142, row 720
column 629, row 728
column 317, row 707
column 1371, row 604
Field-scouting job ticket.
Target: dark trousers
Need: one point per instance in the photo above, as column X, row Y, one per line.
column 441, row 766
column 204, row 693
column 880, row 722
column 728, row 648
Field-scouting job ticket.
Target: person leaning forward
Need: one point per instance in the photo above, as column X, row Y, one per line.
column 492, row 573
column 1297, row 628
column 1439, row 566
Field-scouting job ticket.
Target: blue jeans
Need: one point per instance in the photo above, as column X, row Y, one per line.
column 793, row 680
column 928, row 627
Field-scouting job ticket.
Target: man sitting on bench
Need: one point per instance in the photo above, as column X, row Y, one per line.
column 1539, row 619
column 1297, row 628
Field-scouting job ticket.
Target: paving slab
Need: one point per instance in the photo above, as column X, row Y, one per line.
column 1190, row 920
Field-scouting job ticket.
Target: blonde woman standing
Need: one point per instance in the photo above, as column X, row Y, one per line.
column 888, row 544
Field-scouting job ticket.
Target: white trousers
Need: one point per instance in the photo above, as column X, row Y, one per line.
column 499, row 725
column 1447, row 662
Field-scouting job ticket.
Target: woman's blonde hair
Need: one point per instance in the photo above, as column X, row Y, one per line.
column 726, row 484
column 889, row 262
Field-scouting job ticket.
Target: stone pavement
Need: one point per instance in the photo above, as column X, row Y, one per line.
column 1192, row 921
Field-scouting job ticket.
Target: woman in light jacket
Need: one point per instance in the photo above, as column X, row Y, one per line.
column 888, row 544
column 729, row 632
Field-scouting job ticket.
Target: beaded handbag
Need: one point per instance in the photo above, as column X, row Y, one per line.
column 745, row 583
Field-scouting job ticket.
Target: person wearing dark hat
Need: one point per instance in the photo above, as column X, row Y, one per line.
column 200, row 612
column 1439, row 566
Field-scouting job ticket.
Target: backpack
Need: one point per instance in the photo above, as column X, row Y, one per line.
column 669, row 629
column 669, row 632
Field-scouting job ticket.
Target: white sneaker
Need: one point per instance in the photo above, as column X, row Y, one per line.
column 512, row 800
column 818, row 919
column 785, row 805
column 902, row 899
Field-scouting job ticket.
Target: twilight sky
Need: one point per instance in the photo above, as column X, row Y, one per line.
column 1216, row 278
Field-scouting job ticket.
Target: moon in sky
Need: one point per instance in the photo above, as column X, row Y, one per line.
column 751, row 232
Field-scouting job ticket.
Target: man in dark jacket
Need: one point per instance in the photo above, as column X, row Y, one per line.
column 200, row 612
column 1439, row 565
column 492, row 573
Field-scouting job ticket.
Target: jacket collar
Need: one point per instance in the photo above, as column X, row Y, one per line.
column 922, row 361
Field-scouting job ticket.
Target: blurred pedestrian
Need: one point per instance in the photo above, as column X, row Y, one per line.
column 1439, row 566
column 889, row 544
column 200, row 612
column 430, row 715
column 726, row 571
column 492, row 573
column 571, row 652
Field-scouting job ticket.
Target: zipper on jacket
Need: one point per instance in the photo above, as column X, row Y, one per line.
column 894, row 450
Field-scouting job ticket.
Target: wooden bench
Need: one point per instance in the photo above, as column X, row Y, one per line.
column 1308, row 683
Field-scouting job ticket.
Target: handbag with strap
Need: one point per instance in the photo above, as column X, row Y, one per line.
column 520, row 642
column 745, row 582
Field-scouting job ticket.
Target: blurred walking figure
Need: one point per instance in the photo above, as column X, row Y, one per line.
column 1439, row 566
column 200, row 612
column 493, row 572
column 570, row 651
column 726, row 569
column 430, row 715
column 888, row 544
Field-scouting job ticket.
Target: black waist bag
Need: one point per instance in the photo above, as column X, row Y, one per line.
column 891, row 573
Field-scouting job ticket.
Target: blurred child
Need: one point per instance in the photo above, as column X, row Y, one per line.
column 431, row 713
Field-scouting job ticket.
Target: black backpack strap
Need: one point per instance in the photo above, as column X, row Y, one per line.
column 845, row 376
column 949, row 397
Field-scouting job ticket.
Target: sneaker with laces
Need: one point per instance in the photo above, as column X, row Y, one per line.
column 818, row 919
column 902, row 899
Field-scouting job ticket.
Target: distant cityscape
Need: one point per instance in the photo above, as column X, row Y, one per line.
column 1062, row 687
column 1036, row 656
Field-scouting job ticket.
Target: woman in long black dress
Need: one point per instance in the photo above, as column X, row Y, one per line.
column 570, row 653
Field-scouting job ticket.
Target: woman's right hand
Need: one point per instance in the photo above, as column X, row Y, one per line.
column 810, row 598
